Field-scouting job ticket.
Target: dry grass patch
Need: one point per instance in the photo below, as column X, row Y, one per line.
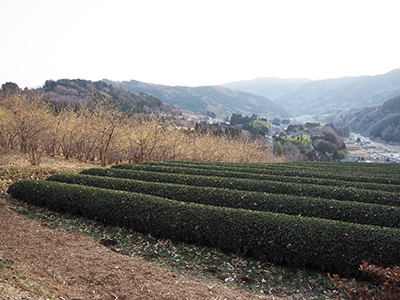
column 15, row 166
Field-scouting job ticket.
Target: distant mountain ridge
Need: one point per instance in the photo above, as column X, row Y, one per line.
column 272, row 88
column 303, row 96
column 217, row 99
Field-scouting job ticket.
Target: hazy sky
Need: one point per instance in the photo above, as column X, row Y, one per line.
column 194, row 42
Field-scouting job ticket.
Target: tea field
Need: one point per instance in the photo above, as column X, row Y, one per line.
column 330, row 216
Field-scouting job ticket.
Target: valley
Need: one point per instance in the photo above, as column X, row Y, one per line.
column 371, row 150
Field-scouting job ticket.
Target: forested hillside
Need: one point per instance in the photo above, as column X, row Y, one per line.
column 380, row 123
column 80, row 91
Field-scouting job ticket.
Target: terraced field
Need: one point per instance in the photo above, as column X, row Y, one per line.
column 332, row 216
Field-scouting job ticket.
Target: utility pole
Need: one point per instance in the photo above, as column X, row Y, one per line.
column 270, row 142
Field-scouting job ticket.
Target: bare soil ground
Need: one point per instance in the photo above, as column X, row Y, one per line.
column 71, row 266
column 40, row 262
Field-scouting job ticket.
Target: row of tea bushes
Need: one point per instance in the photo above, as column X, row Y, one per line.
column 353, row 212
column 345, row 166
column 276, row 237
column 237, row 174
column 306, row 165
column 277, row 169
column 309, row 190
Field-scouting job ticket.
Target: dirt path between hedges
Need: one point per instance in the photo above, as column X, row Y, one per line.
column 73, row 267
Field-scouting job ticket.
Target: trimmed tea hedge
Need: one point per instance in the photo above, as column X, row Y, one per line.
column 327, row 244
column 237, row 174
column 309, row 190
column 353, row 212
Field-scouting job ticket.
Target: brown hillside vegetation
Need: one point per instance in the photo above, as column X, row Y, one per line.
column 102, row 132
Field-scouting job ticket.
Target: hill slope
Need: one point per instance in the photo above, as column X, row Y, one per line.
column 380, row 123
column 327, row 96
column 80, row 91
column 217, row 99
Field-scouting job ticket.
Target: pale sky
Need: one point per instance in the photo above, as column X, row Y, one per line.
column 196, row 43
